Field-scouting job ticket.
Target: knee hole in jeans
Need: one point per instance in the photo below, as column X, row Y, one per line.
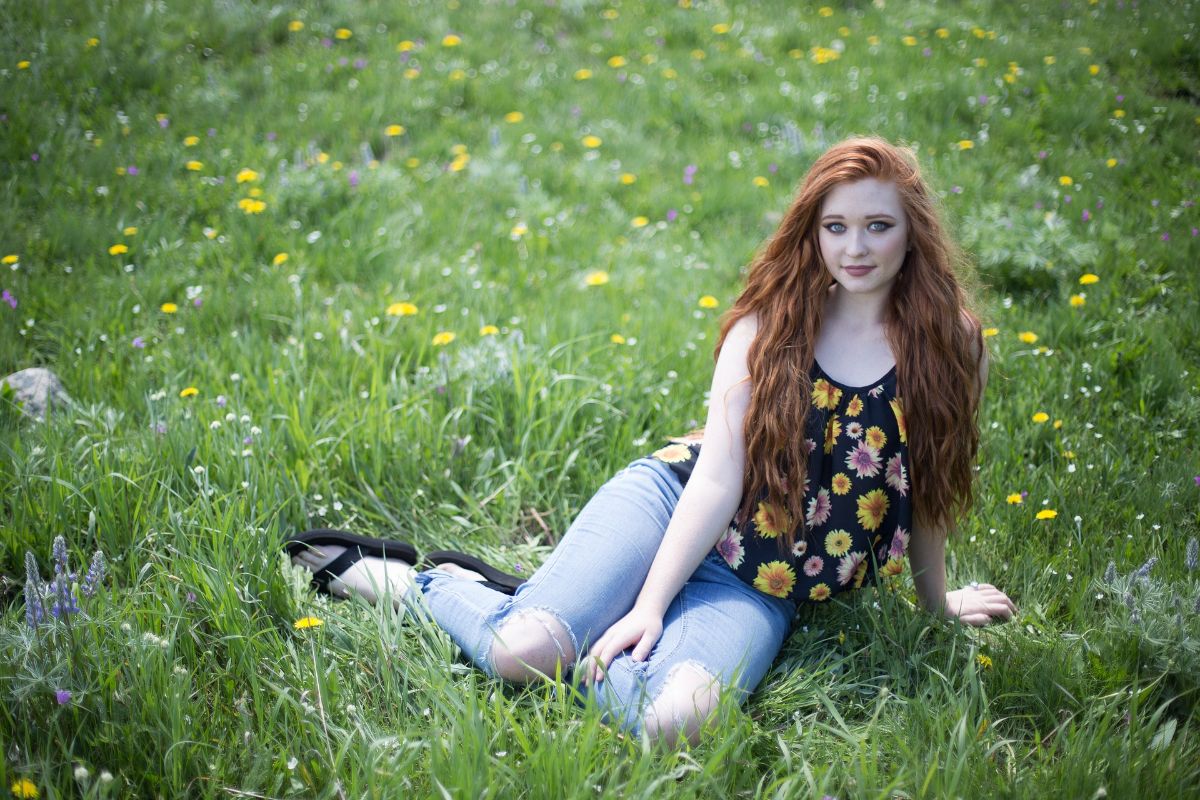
column 687, row 700
column 533, row 644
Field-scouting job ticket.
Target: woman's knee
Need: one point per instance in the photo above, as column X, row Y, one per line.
column 688, row 698
column 532, row 644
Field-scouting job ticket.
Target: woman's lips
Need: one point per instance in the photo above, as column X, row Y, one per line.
column 858, row 270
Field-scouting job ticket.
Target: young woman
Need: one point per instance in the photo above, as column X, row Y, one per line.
column 841, row 435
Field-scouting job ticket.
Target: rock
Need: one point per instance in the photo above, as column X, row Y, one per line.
column 35, row 390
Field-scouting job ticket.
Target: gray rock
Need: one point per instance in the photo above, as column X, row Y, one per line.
column 35, row 390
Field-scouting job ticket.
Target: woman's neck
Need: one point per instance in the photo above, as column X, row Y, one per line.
column 855, row 309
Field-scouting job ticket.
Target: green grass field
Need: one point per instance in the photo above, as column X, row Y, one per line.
column 437, row 269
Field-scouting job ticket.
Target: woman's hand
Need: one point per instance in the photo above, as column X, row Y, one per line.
column 639, row 627
column 978, row 604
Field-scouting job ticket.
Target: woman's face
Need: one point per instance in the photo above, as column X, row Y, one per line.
column 863, row 235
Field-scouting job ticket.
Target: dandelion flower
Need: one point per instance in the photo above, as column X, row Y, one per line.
column 628, row 178
column 304, row 623
column 986, row 663
column 24, row 788
column 592, row 141
column 190, row 391
column 117, row 249
column 582, row 74
column 617, row 338
column 1015, row 499
column 1040, row 417
column 761, row 182
column 1093, row 69
column 1110, row 163
column 597, row 278
column 909, row 41
column 616, row 62
column 990, row 332
column 401, row 309
column 825, row 11
column 1028, row 337
column 443, row 338
column 394, row 130
column 246, row 175
column 639, row 222
column 11, row 258
column 191, row 141
column 451, row 40
column 168, row 308
column 280, row 258
column 1077, row 300
column 488, row 330
column 295, row 26
column 1088, row 279
column 1065, row 180
column 720, row 28
column 965, row 144
column 1047, row 513
column 194, row 166
column 514, row 117
column 708, row 301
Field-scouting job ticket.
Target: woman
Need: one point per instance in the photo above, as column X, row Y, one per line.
column 850, row 366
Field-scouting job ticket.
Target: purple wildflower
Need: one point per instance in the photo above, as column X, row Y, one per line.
column 190, row 597
column 1066, row 198
column 672, row 214
column 221, row 401
column 164, row 122
column 1143, row 572
column 1191, row 558
column 62, row 696
column 139, row 343
column 360, row 63
column 35, row 612
column 270, row 136
column 927, row 52
column 1087, row 215
column 1110, row 573
column 211, row 132
column 58, row 551
column 131, row 170
column 1042, row 154
column 7, row 297
column 35, row 157
column 95, row 574
column 956, row 190
column 353, row 178
column 1166, row 237
column 983, row 99
column 689, row 174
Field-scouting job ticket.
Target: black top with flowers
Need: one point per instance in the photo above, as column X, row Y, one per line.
column 858, row 510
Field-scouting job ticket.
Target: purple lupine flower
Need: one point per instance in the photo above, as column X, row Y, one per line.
column 95, row 574
column 672, row 214
column 131, row 170
column 353, row 178
column 63, row 697
column 7, row 297
column 1087, row 215
column 35, row 611
column 58, row 551
column 1143, row 572
column 1110, row 573
column 138, row 342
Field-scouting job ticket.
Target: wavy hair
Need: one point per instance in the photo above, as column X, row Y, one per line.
column 933, row 333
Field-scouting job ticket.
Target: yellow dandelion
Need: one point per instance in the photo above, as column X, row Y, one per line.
column 304, row 623
column 986, row 663
column 1093, row 69
column 489, row 330
column 117, row 249
column 617, row 338
column 616, row 62
column 22, row 65
column 24, row 788
column 761, row 181
column 1120, row 113
column 1057, row 424
column 252, row 206
column 843, row 31
column 1110, row 163
column 246, row 175
column 92, row 42
column 191, row 141
column 980, row 62
column 518, row 230
column 129, row 230
column 699, row 55
column 190, row 391
column 1015, row 499
column 1047, row 513
column 720, row 28
column 942, row 33
column 597, row 278
column 514, row 117
column 1088, row 279
column 1049, row 60
column 670, row 74
column 451, row 40
column 582, row 74
column 1028, row 337
column 412, row 73
column 1065, row 180
column 343, row 34
column 394, row 130
column 280, row 258
column 708, row 301
column 825, row 11
column 412, row 163
column 965, row 144
column 11, row 258
column 401, row 309
column 295, row 26
column 639, row 222
column 443, row 338
column 990, row 332
column 1040, row 417
column 168, row 308
column 627, row 178
column 610, row 13
column 873, row 40
column 1077, row 300
column 909, row 41
column 405, row 46
column 592, row 141
column 194, row 166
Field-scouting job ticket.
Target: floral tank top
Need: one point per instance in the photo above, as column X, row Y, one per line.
column 858, row 512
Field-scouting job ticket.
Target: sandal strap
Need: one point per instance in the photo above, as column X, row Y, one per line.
column 336, row 568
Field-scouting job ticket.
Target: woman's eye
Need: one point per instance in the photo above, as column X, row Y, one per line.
column 879, row 227
column 835, row 227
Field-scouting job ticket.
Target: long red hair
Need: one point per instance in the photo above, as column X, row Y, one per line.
column 932, row 331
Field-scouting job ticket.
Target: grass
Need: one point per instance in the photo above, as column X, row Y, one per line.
column 316, row 407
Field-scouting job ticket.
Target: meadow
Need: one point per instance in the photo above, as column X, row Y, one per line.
column 435, row 270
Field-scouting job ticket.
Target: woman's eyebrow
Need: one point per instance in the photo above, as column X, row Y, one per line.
column 876, row 215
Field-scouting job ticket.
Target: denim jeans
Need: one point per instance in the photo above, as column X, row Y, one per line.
column 592, row 578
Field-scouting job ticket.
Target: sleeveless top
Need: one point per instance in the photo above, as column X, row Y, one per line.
column 858, row 512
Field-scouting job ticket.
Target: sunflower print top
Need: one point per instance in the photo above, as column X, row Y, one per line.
column 858, row 512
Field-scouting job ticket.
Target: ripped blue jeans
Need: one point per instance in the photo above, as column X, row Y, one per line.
column 716, row 623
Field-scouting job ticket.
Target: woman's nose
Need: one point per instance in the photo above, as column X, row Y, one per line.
column 857, row 246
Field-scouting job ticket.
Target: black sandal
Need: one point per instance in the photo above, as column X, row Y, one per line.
column 356, row 548
column 493, row 578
